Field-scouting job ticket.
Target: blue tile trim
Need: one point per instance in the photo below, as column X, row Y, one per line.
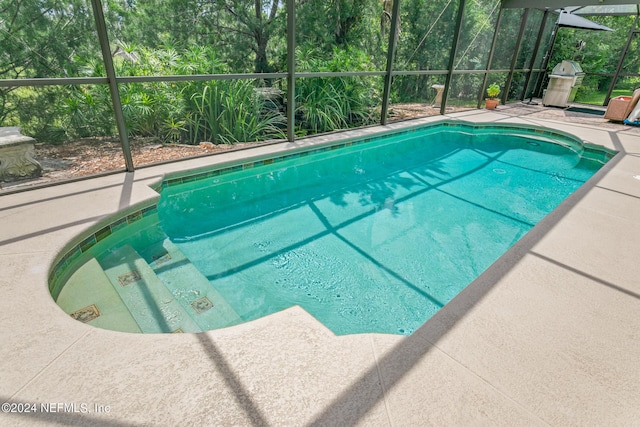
column 83, row 247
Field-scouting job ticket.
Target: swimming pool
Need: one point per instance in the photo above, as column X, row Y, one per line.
column 371, row 235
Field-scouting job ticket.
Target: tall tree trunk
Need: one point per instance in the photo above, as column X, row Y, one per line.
column 261, row 62
column 262, row 34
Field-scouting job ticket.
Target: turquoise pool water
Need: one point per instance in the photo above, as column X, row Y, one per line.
column 369, row 237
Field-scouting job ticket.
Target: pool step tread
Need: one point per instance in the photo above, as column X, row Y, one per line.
column 192, row 289
column 150, row 302
column 89, row 296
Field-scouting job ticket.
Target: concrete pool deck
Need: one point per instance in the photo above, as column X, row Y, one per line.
column 548, row 335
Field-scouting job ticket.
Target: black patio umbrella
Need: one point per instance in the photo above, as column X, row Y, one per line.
column 568, row 19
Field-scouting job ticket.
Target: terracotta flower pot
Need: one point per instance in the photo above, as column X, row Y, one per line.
column 491, row 103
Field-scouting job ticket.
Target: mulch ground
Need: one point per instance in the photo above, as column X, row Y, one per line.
column 95, row 155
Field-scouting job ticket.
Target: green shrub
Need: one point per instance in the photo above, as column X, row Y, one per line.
column 493, row 90
column 228, row 111
column 326, row 104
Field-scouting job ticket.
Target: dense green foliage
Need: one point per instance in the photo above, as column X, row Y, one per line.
column 52, row 38
column 325, row 104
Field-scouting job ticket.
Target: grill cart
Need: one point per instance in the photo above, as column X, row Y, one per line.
column 564, row 81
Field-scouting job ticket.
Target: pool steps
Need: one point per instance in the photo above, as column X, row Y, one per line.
column 145, row 296
column 150, row 302
column 98, row 304
column 196, row 295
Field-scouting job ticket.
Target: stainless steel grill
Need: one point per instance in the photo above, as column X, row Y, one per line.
column 564, row 81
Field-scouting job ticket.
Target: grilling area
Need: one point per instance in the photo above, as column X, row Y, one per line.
column 564, row 81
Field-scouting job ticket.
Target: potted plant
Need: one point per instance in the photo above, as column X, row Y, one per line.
column 492, row 92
